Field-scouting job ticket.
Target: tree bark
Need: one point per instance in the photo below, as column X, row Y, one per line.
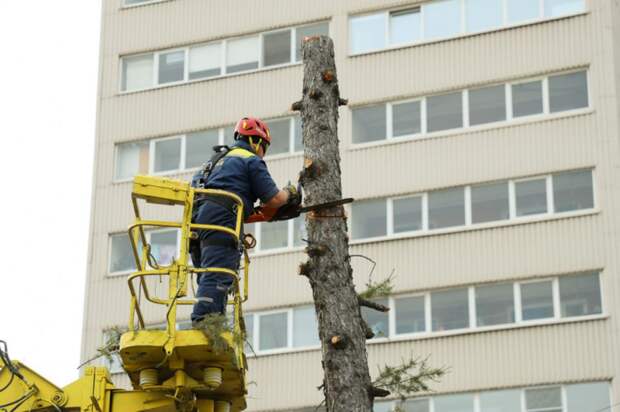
column 347, row 384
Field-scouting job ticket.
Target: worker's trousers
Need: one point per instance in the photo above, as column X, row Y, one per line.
column 213, row 287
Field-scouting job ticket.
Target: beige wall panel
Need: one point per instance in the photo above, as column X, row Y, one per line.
column 473, row 157
column 538, row 249
column 201, row 105
column 532, row 356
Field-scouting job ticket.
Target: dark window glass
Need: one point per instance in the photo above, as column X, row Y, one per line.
column 280, row 131
column 527, row 99
column 406, row 119
column 171, row 67
column 450, row 309
column 167, row 155
column 445, row 112
column 446, row 208
column 407, row 214
column 495, row 304
column 568, row 91
column 536, row 300
column 580, row 295
column 531, row 197
column 410, row 315
column 573, row 191
column 487, row 105
column 368, row 218
column 369, row 124
column 273, row 332
column 199, row 147
column 489, row 202
column 277, row 48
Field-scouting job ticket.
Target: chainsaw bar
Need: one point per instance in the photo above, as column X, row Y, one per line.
column 326, row 205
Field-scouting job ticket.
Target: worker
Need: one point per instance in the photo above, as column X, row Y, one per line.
column 240, row 170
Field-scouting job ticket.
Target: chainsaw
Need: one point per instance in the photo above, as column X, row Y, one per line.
column 290, row 211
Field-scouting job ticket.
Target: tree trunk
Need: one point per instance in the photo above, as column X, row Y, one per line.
column 347, row 383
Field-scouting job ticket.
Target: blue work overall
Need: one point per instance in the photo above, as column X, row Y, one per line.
column 245, row 174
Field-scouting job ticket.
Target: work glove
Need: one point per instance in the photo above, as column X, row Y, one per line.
column 294, row 194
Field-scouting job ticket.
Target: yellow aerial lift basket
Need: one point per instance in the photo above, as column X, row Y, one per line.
column 182, row 363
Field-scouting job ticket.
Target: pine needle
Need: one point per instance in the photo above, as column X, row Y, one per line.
column 410, row 377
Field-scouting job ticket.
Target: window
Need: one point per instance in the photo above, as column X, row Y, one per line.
column 487, row 105
column 522, row 10
column 450, row 309
column 472, row 205
column 495, row 304
column 446, row 208
column 369, row 124
column 367, row 33
column 406, row 118
column 444, row 112
column 580, row 295
column 483, row 14
column 280, row 132
column 536, row 300
column 416, row 405
column 555, row 8
column 164, row 245
column 568, row 91
column 167, row 155
column 121, row 255
column 500, row 401
column 249, row 333
column 573, row 191
column 410, row 317
column 274, row 235
column 131, row 158
column 454, row 403
column 318, row 29
column 407, row 214
column 442, row 18
column 277, row 48
column 171, row 67
column 368, row 219
column 205, row 61
column 490, row 202
column 305, row 327
column 543, row 399
column 405, row 26
column 531, row 197
column 588, row 396
column 273, row 331
column 242, row 54
column 527, row 99
column 199, row 147
column 583, row 397
column 137, row 72
column 377, row 321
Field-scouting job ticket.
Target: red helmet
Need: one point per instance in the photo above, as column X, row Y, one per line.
column 251, row 126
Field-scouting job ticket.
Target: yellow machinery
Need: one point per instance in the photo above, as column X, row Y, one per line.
column 171, row 370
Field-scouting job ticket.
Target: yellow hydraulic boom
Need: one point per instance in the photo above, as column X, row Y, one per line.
column 170, row 370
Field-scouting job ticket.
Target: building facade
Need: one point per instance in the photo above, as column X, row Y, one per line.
column 482, row 146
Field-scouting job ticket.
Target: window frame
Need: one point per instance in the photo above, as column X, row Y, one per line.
column 223, row 64
column 461, row 33
column 182, row 155
column 510, row 120
column 513, row 219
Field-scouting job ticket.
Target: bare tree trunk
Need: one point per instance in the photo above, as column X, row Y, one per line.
column 343, row 332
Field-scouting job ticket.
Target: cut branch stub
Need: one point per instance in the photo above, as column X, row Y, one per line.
column 338, row 342
column 372, row 305
column 378, row 392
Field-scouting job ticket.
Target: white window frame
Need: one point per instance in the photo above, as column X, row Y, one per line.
column 512, row 219
column 428, row 332
column 509, row 121
column 462, row 32
column 224, row 54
